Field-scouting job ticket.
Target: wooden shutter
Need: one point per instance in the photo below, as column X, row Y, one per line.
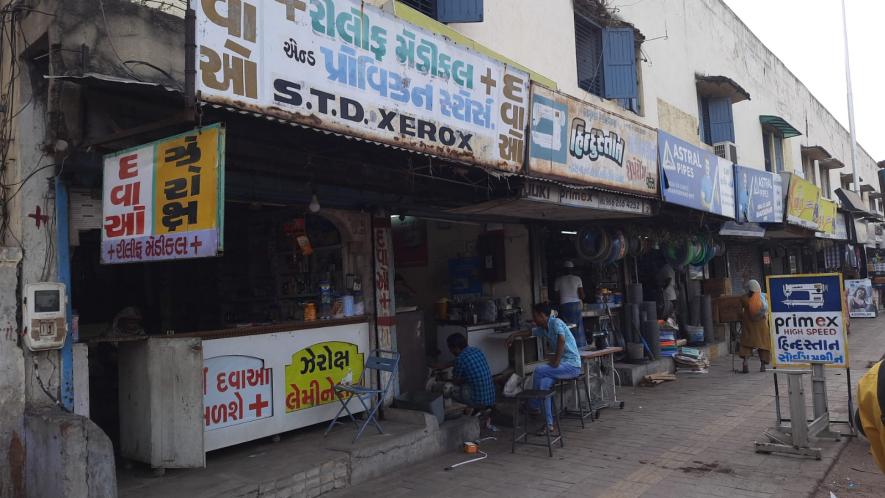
column 721, row 120
column 459, row 10
column 619, row 63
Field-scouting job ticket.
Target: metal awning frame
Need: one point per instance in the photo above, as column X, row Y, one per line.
column 780, row 124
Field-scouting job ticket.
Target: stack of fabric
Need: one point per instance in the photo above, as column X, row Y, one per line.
column 668, row 342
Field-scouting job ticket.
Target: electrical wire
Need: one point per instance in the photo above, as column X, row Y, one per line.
column 113, row 46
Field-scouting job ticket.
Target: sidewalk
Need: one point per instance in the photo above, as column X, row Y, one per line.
column 689, row 438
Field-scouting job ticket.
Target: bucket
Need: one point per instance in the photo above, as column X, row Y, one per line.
column 695, row 334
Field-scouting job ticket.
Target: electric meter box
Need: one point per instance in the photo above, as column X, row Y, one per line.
column 44, row 321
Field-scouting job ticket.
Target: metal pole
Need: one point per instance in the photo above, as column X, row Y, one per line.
column 850, row 103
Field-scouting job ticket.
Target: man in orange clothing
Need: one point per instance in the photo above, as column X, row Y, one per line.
column 868, row 417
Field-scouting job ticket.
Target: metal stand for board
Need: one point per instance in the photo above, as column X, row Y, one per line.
column 793, row 435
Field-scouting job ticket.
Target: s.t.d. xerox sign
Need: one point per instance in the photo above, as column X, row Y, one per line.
column 345, row 66
column 807, row 319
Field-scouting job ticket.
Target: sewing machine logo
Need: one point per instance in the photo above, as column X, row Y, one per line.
column 813, row 295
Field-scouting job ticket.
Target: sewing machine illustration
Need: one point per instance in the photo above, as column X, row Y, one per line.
column 815, row 294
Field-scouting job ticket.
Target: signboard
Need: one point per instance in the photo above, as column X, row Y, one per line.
column 859, row 295
column 695, row 178
column 578, row 141
column 165, row 200
column 807, row 319
column 585, row 198
column 803, row 203
column 236, row 389
column 826, row 218
column 759, row 196
column 349, row 67
column 260, row 385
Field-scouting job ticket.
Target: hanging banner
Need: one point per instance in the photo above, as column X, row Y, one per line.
column 351, row 68
column 165, row 200
column 826, row 218
column 759, row 196
column 803, row 203
column 695, row 178
column 577, row 141
column 807, row 319
column 860, row 298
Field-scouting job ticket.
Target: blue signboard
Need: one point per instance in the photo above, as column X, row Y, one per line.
column 807, row 320
column 758, row 196
column 695, row 178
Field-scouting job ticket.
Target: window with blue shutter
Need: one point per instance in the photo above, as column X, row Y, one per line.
column 619, row 63
column 721, row 121
column 459, row 10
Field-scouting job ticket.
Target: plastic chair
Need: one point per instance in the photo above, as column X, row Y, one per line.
column 379, row 360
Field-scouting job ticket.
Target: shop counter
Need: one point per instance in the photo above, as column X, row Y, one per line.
column 186, row 394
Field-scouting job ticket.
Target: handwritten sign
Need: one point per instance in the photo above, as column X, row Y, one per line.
column 165, row 200
column 349, row 67
column 807, row 320
column 315, row 370
column 236, row 389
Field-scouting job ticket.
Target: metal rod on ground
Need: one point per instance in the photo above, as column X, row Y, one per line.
column 472, row 460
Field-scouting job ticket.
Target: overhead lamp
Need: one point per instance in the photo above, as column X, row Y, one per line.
column 568, row 232
column 314, row 205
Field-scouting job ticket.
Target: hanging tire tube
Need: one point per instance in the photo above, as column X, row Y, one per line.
column 618, row 247
column 593, row 243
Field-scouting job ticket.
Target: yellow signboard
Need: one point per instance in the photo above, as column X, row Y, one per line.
column 315, row 370
column 826, row 217
column 803, row 203
column 186, row 190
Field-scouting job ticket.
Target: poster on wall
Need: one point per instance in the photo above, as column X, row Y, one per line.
column 859, row 295
column 165, row 199
column 352, row 68
column 826, row 218
column 577, row 141
column 695, row 178
column 807, row 321
column 409, row 241
column 759, row 196
column 803, row 203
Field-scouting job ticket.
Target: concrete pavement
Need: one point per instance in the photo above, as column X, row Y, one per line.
column 689, row 438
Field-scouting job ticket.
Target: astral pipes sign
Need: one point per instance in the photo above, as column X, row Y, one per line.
column 348, row 67
column 695, row 178
column 807, row 319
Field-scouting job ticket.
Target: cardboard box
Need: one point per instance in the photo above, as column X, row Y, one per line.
column 727, row 309
column 716, row 287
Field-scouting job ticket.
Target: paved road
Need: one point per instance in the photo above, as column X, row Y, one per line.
column 689, row 438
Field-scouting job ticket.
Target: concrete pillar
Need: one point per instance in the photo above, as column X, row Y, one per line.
column 12, row 380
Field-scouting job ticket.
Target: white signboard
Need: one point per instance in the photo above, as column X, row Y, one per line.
column 286, row 381
column 585, row 198
column 349, row 67
column 860, row 298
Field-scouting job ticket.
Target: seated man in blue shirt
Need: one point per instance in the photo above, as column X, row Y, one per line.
column 565, row 362
column 472, row 374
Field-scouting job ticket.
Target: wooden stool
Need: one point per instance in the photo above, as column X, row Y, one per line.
column 521, row 433
column 580, row 386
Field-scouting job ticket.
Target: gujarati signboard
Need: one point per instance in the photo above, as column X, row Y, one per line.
column 351, row 68
column 803, row 203
column 577, row 141
column 807, row 320
column 165, row 200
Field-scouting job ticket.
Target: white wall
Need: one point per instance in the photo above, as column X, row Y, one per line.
column 702, row 37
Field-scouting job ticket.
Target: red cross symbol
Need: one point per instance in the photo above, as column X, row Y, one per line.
column 258, row 405
column 111, row 253
column 39, row 217
column 196, row 244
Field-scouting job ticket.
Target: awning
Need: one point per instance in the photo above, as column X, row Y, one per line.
column 881, row 164
column 781, row 125
column 866, row 187
column 851, row 202
column 876, row 195
column 720, row 86
column 734, row 229
column 849, row 177
column 831, row 163
column 815, row 152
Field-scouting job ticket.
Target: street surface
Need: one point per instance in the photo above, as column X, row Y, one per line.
column 689, row 438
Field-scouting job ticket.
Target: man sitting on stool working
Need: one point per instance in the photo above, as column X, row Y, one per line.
column 565, row 362
column 472, row 375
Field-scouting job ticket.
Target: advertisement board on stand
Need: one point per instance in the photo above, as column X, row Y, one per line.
column 860, row 298
column 807, row 321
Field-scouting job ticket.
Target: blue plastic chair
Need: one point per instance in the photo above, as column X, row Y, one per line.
column 379, row 360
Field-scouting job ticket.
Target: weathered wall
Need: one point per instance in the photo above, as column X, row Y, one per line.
column 12, row 392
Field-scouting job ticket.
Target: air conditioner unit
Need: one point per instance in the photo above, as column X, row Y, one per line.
column 727, row 150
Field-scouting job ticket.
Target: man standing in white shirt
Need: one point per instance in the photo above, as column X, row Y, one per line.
column 667, row 283
column 570, row 291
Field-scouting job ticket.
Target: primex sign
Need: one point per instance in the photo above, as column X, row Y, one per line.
column 807, row 319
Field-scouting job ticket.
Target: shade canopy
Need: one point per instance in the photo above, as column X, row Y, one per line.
column 780, row 124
